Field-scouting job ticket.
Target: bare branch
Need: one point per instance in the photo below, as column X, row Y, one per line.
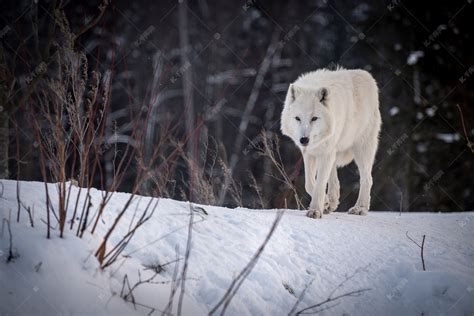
column 422, row 246
column 186, row 258
column 308, row 309
column 102, row 7
column 470, row 145
column 300, row 298
column 174, row 285
column 11, row 256
column 237, row 282
column 330, row 298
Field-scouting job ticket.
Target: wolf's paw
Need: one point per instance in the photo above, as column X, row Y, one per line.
column 358, row 210
column 314, row 214
column 330, row 204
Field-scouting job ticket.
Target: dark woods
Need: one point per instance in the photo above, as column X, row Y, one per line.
column 182, row 99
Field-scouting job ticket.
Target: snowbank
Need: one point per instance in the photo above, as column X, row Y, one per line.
column 372, row 253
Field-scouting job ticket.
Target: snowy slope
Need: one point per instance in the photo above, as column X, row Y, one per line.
column 372, row 252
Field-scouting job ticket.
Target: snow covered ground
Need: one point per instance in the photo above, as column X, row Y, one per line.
column 371, row 253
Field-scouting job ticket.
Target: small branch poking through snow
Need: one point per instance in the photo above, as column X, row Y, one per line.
column 113, row 254
column 27, row 208
column 330, row 298
column 38, row 266
column 159, row 267
column 186, row 258
column 174, row 285
column 30, row 216
column 11, row 256
column 237, row 282
column 129, row 297
column 422, row 246
column 300, row 298
column 308, row 310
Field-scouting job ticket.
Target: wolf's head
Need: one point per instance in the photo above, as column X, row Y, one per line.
column 305, row 117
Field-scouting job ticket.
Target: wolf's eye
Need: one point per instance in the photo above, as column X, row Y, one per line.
column 314, row 118
column 298, row 118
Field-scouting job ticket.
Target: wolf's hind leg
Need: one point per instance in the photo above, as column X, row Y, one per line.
column 364, row 155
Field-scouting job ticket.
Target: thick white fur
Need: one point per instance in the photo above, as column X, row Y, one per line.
column 345, row 103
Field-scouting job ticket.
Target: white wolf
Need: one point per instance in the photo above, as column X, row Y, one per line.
column 334, row 118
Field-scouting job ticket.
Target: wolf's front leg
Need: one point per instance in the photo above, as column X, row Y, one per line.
column 309, row 173
column 331, row 201
column 324, row 167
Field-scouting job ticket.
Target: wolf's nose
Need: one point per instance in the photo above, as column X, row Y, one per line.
column 304, row 141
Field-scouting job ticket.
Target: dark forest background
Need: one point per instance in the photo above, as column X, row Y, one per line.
column 189, row 94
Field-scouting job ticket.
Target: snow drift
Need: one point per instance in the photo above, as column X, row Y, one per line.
column 359, row 265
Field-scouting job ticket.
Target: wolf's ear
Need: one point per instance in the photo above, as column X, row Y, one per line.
column 292, row 93
column 323, row 95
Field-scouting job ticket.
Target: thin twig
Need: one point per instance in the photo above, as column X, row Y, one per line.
column 422, row 246
column 30, row 216
column 102, row 7
column 270, row 149
column 174, row 285
column 330, row 299
column 237, row 282
column 17, row 138
column 186, row 258
column 113, row 254
column 470, row 145
column 11, row 256
column 129, row 297
column 300, row 298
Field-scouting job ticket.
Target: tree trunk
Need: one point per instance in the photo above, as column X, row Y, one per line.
column 251, row 102
column 3, row 144
column 4, row 139
column 187, row 78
